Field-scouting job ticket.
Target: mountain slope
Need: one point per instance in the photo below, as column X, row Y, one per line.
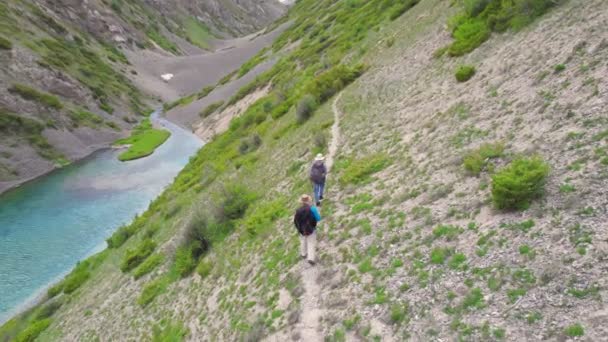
column 65, row 90
column 413, row 244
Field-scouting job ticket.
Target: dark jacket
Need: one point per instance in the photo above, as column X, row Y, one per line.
column 318, row 172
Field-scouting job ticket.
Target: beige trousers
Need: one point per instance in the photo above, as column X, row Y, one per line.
column 308, row 245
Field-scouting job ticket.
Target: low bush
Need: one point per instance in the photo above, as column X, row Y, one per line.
column 78, row 276
column 186, row 259
column 204, row 268
column 574, row 330
column 464, row 73
column 12, row 123
column 473, row 25
column 121, row 235
column 306, row 106
column 210, row 109
column 204, row 92
column 476, row 161
column 152, row 290
column 148, row 265
column 48, row 309
column 468, row 36
column 5, row 44
column 32, row 331
column 519, row 183
column 360, row 170
column 134, row 257
column 32, row 94
column 401, row 8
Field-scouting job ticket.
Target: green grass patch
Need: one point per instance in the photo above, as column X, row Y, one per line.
column 32, row 94
column 152, row 262
column 143, row 141
column 574, row 330
column 196, row 32
column 464, row 73
column 360, row 170
column 478, row 160
column 516, row 185
column 474, row 24
column 81, row 117
column 33, row 330
column 134, row 257
column 5, row 44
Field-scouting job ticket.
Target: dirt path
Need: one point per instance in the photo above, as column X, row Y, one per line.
column 309, row 326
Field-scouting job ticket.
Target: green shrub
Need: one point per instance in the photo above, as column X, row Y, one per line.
column 210, row 109
column 5, row 44
column 204, row 268
column 359, row 171
column 204, row 92
column 12, row 123
column 77, row 277
column 438, row 255
column 464, row 73
column 476, row 161
column 473, row 25
column 134, row 257
column 148, row 265
column 32, row 331
column 468, row 36
column 185, row 260
column 306, row 106
column 559, row 68
column 48, row 309
column 520, row 182
column 236, row 199
column 84, row 117
column 121, row 235
column 401, row 8
column 32, row 94
column 152, row 290
column 575, row 330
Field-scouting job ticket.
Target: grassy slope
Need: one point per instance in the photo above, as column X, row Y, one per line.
column 382, row 268
column 143, row 141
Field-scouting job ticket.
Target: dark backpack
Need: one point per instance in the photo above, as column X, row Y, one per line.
column 304, row 220
column 317, row 172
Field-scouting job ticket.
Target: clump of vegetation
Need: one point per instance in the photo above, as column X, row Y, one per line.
column 121, row 235
column 479, row 18
column 401, row 7
column 32, row 94
column 523, row 180
column 252, row 63
column 169, row 332
column 134, row 257
column 464, row 73
column 186, row 258
column 360, row 170
column 33, row 330
column 306, row 106
column 83, row 117
column 148, row 265
column 476, row 161
column 5, row 44
column 574, row 330
column 143, row 141
column 210, row 109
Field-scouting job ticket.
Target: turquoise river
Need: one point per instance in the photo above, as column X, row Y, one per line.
column 48, row 225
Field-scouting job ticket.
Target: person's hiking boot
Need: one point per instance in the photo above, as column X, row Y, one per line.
column 312, row 263
column 303, row 257
column 318, row 203
column 321, row 198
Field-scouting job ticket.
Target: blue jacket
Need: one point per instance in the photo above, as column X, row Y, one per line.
column 315, row 213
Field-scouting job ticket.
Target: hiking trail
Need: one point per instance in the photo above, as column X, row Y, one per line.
column 309, row 326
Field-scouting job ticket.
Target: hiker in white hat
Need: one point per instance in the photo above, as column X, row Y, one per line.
column 318, row 172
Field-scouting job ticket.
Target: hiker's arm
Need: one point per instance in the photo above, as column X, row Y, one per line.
column 315, row 213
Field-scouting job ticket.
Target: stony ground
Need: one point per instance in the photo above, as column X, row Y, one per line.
column 415, row 251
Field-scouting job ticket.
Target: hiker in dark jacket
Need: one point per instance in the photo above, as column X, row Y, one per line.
column 306, row 218
column 318, row 172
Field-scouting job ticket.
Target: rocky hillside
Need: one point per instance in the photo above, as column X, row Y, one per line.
column 64, row 80
column 466, row 199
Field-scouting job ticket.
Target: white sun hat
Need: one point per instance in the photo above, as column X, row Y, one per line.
column 320, row 156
